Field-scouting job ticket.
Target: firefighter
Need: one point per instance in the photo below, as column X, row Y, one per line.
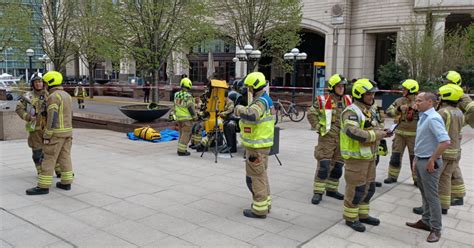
column 325, row 118
column 466, row 105
column 57, row 137
column 80, row 93
column 32, row 109
column 453, row 118
column 198, row 127
column 256, row 129
column 405, row 114
column 359, row 138
column 184, row 113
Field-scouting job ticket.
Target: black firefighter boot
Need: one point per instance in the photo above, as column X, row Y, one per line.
column 37, row 191
column 356, row 225
column 186, row 153
column 335, row 194
column 390, row 180
column 201, row 148
column 370, row 221
column 248, row 213
column 316, row 198
column 378, row 184
column 457, row 201
column 63, row 186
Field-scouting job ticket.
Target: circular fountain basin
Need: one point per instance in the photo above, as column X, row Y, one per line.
column 141, row 113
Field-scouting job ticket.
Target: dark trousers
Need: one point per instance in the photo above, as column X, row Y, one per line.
column 230, row 135
column 428, row 185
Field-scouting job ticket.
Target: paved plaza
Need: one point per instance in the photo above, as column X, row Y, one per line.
column 140, row 194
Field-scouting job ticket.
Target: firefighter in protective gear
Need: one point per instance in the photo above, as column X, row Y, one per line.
column 57, row 137
column 453, row 118
column 256, row 129
column 185, row 114
column 32, row 109
column 359, row 139
column 466, row 105
column 80, row 93
column 198, row 126
column 405, row 114
column 326, row 120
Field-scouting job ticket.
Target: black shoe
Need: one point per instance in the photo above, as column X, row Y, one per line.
column 58, row 174
column 335, row 194
column 37, row 191
column 370, row 221
column 356, row 225
column 186, row 153
column 378, row 184
column 63, row 186
column 457, row 202
column 316, row 198
column 418, row 210
column 248, row 213
column 192, row 146
column 390, row 180
column 444, row 211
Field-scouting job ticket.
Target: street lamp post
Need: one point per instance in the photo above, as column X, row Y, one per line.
column 294, row 56
column 29, row 52
column 248, row 55
column 45, row 60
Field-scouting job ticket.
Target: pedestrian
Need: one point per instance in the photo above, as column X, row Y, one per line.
column 431, row 141
column 359, row 146
column 325, row 118
column 32, row 109
column 57, row 137
column 184, row 110
column 80, row 93
column 146, row 92
column 466, row 105
column 257, row 129
column 405, row 114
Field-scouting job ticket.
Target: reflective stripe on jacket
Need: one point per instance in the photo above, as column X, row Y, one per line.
column 182, row 100
column 259, row 133
column 351, row 148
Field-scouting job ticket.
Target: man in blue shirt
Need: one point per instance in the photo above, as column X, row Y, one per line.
column 430, row 142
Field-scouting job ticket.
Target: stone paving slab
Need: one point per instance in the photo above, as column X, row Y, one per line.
column 139, row 194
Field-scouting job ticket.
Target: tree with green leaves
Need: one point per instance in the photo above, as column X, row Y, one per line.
column 15, row 23
column 91, row 36
column 58, row 18
column 268, row 25
column 149, row 30
column 429, row 55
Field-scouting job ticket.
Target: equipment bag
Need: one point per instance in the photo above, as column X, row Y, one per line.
column 147, row 133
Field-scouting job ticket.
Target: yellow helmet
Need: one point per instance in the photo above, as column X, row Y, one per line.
column 452, row 77
column 255, row 80
column 53, row 78
column 336, row 79
column 362, row 86
column 411, row 85
column 451, row 92
column 186, row 82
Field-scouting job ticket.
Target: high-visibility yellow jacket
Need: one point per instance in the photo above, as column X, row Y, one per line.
column 183, row 105
column 257, row 124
